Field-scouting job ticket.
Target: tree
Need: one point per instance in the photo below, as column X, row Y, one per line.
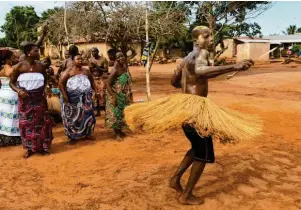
column 3, row 42
column 292, row 29
column 228, row 18
column 167, row 24
column 20, row 25
column 49, row 12
column 125, row 24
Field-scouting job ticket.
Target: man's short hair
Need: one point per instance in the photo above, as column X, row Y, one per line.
column 197, row 31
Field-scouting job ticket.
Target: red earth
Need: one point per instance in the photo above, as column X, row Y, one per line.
column 264, row 173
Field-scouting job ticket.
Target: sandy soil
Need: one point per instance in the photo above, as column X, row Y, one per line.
column 104, row 174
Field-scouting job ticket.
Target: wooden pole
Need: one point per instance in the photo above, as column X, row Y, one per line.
column 147, row 70
column 65, row 23
column 232, row 75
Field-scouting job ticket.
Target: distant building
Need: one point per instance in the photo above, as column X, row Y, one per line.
column 83, row 45
column 246, row 48
column 252, row 48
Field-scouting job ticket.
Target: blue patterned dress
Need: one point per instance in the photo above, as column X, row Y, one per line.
column 78, row 115
column 9, row 123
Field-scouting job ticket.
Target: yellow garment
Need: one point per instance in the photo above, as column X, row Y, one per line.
column 206, row 117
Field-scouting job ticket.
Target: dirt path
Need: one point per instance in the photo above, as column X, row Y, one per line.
column 261, row 174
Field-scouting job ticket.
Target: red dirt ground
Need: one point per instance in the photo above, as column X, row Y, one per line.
column 104, row 174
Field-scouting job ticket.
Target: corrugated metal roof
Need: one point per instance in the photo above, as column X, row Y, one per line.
column 295, row 38
column 284, row 37
column 253, row 40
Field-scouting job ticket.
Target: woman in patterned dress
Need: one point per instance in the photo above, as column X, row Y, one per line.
column 117, row 96
column 28, row 80
column 77, row 86
column 9, row 123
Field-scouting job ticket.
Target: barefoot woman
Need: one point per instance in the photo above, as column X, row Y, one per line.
column 76, row 85
column 118, row 96
column 28, row 80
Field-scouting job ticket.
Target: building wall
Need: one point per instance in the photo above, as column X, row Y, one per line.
column 229, row 53
column 258, row 49
column 173, row 53
column 243, row 52
column 253, row 51
column 51, row 50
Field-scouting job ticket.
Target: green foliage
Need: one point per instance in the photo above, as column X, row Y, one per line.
column 49, row 12
column 292, row 29
column 168, row 23
column 3, row 42
column 228, row 19
column 20, row 25
column 296, row 48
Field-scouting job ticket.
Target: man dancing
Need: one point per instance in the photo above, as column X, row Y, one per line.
column 192, row 76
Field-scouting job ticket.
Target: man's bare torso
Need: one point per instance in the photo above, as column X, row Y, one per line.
column 194, row 84
column 98, row 62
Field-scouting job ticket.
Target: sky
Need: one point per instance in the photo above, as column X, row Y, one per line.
column 276, row 19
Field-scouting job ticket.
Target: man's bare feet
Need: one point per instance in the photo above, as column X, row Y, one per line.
column 190, row 200
column 28, row 154
column 175, row 184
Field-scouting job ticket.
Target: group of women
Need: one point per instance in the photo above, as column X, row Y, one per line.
column 24, row 116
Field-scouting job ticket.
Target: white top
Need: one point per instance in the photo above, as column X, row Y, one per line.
column 31, row 81
column 5, row 83
column 9, row 115
column 78, row 82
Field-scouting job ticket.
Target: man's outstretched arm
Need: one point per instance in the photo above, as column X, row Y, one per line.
column 214, row 71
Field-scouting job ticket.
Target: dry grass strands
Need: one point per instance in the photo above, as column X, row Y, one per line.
column 171, row 112
column 54, row 104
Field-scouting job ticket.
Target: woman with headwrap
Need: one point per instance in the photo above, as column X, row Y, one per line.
column 9, row 123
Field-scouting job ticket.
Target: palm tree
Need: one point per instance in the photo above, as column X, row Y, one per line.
column 299, row 30
column 292, row 29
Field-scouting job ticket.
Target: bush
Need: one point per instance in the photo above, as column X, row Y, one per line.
column 296, row 48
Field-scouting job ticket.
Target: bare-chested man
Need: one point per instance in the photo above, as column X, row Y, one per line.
column 192, row 76
column 97, row 62
column 99, row 67
column 68, row 62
